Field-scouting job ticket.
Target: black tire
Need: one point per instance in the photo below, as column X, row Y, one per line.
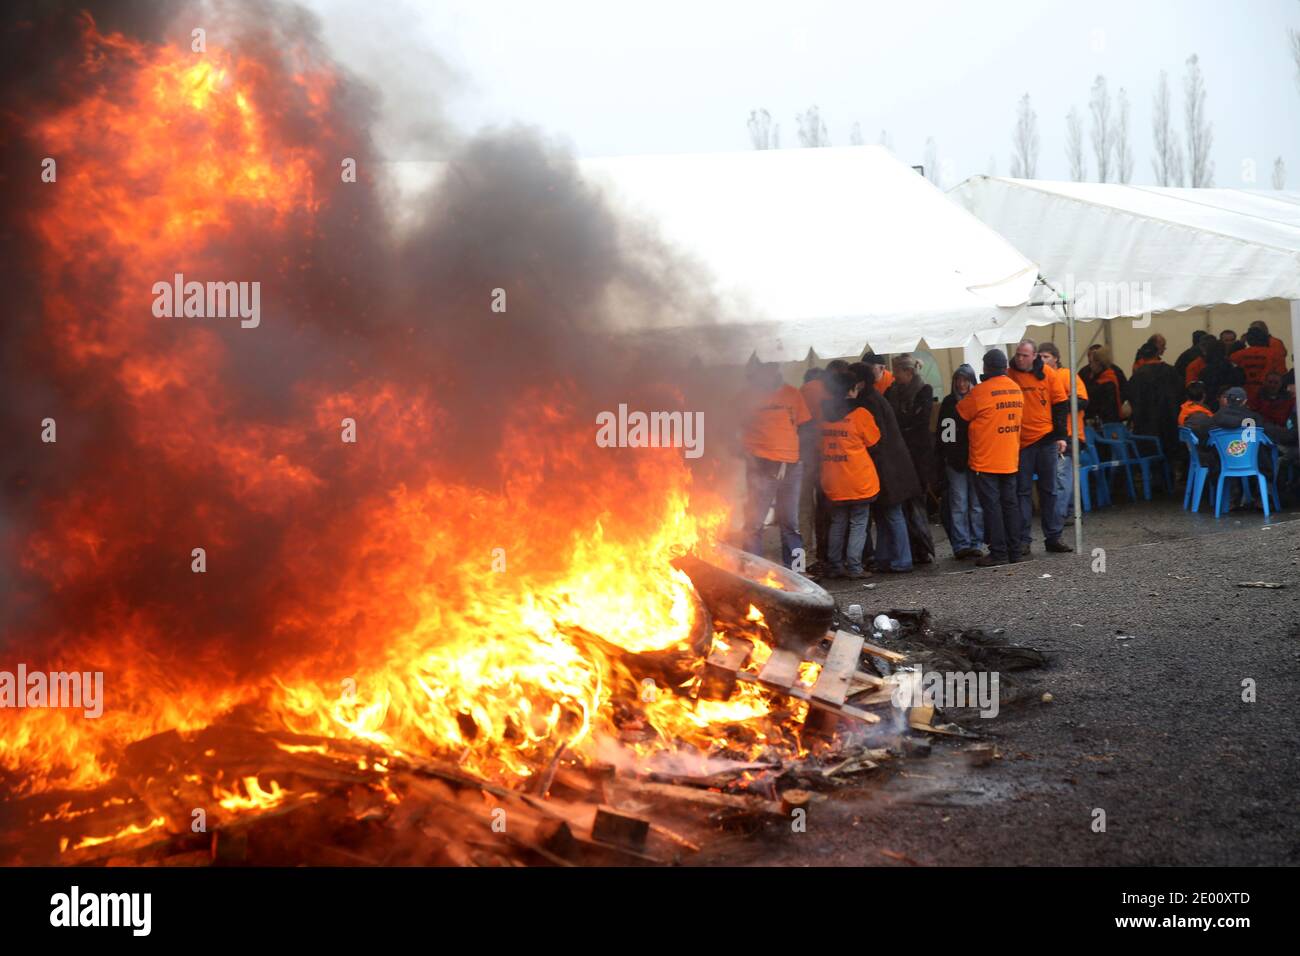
column 798, row 612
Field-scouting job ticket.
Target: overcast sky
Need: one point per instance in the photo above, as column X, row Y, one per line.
column 612, row 77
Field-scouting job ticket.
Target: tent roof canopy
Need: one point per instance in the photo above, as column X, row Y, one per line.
column 832, row 249
column 1122, row 250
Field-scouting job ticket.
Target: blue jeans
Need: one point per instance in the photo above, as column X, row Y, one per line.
column 893, row 548
column 997, row 494
column 965, row 516
column 848, row 520
column 1065, row 486
column 763, row 488
column 1039, row 458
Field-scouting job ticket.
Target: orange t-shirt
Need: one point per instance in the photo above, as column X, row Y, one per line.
column 886, row 379
column 1256, row 361
column 993, row 408
column 1064, row 375
column 773, row 428
column 848, row 473
column 1191, row 408
column 1194, row 369
column 1040, row 395
column 814, row 393
column 1279, row 352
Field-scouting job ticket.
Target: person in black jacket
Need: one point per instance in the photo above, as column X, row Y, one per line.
column 1107, row 386
column 898, row 481
column 912, row 401
column 1155, row 392
column 964, row 517
column 1219, row 374
column 1190, row 355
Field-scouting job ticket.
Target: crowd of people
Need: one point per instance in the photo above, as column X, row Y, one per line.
column 858, row 456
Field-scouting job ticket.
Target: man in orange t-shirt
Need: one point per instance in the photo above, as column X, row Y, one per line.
column 1274, row 345
column 1042, row 442
column 884, row 377
column 813, row 512
column 1257, row 360
column 994, row 408
column 773, row 470
column 1051, row 356
column 848, row 474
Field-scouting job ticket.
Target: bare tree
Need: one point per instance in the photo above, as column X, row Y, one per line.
column 1279, row 174
column 1295, row 54
column 812, row 131
column 1024, row 142
column 1123, row 150
column 1168, row 161
column 1074, row 146
column 931, row 162
column 993, row 166
column 855, row 135
column 1200, row 131
column 886, row 140
column 763, row 133
column 1103, row 129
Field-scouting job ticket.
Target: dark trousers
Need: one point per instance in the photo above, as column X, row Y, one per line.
column 1041, row 458
column 1001, row 507
column 822, row 524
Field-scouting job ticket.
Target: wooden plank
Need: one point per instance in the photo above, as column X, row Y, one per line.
column 710, row 798
column 875, row 650
column 619, row 828
column 832, row 684
column 799, row 693
column 719, row 678
column 781, row 669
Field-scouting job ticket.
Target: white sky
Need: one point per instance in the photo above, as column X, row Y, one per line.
column 613, row 77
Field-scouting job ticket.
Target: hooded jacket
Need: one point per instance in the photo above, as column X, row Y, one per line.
column 912, row 405
column 954, row 454
column 898, row 482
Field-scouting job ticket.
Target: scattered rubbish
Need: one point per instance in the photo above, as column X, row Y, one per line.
column 854, row 613
column 1048, row 698
column 1272, row 585
column 1124, row 637
column 884, row 626
column 981, row 755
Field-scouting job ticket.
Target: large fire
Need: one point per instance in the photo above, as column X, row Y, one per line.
column 479, row 623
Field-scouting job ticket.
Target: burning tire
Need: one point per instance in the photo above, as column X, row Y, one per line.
column 798, row 612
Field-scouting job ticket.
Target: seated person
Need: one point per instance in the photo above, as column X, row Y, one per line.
column 1195, row 404
column 1273, row 403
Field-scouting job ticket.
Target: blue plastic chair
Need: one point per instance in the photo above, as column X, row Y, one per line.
column 1239, row 458
column 1091, row 466
column 1117, row 432
column 1119, row 459
column 1196, row 471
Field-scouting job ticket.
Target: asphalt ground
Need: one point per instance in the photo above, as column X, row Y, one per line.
column 1146, row 664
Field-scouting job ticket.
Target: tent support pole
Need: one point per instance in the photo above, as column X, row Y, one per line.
column 1074, row 431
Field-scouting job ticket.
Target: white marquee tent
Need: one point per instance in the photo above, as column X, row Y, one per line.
column 1125, row 251
column 830, row 249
